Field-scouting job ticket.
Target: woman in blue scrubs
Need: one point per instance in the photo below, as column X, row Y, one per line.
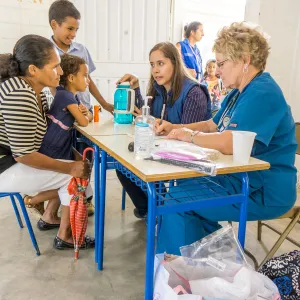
column 256, row 104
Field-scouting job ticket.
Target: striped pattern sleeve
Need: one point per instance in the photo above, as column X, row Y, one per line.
column 22, row 125
column 195, row 106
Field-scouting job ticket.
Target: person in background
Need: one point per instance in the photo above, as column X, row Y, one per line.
column 255, row 104
column 214, row 84
column 193, row 33
column 171, row 86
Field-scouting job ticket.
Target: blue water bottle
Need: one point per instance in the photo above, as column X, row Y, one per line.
column 124, row 99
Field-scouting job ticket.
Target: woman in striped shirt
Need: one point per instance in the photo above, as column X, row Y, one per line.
column 34, row 64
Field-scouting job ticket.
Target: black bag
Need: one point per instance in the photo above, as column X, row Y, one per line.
column 7, row 161
column 284, row 271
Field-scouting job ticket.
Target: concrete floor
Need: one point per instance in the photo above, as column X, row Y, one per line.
column 55, row 275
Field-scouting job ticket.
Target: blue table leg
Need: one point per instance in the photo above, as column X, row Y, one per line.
column 150, row 241
column 243, row 209
column 123, row 198
column 97, row 195
column 102, row 209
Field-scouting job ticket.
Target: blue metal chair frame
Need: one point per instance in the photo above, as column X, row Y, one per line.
column 25, row 214
column 157, row 201
column 110, row 160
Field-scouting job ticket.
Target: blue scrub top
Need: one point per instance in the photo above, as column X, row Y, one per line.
column 261, row 108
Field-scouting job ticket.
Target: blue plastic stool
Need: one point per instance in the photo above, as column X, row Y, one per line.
column 25, row 214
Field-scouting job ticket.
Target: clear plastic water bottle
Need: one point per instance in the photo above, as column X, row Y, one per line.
column 144, row 132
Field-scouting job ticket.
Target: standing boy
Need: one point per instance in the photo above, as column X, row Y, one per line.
column 64, row 19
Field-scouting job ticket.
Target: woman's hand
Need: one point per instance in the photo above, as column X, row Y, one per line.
column 133, row 80
column 182, row 134
column 163, row 128
column 81, row 169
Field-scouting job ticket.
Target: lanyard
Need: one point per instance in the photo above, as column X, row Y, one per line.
column 233, row 101
column 164, row 111
column 198, row 57
column 228, row 108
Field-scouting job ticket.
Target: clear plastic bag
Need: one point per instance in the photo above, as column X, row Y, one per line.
column 215, row 267
column 216, row 249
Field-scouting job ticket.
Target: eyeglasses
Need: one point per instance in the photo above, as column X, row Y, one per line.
column 221, row 63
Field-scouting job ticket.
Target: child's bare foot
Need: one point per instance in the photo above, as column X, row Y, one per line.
column 38, row 207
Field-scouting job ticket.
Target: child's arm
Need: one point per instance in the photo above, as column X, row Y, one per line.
column 86, row 112
column 95, row 92
column 81, row 119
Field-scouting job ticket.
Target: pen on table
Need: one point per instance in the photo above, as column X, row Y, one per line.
column 162, row 114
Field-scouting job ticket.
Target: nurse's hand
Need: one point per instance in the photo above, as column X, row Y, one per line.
column 132, row 79
column 162, row 127
column 182, row 134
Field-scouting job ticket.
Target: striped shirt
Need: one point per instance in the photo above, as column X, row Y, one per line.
column 194, row 108
column 22, row 124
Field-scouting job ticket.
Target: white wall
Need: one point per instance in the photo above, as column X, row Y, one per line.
column 21, row 18
column 119, row 34
column 281, row 21
column 213, row 14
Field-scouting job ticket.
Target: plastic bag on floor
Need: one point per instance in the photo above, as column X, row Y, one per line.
column 213, row 268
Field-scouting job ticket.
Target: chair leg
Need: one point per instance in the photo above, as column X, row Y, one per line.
column 282, row 238
column 30, row 230
column 13, row 202
column 252, row 257
column 259, row 229
column 123, row 198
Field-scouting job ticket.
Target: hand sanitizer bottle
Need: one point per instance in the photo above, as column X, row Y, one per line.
column 144, row 132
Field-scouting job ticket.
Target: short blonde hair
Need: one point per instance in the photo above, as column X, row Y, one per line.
column 241, row 39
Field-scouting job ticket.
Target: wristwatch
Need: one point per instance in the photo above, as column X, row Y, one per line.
column 193, row 134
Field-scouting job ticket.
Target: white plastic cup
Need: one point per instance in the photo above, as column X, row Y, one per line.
column 242, row 145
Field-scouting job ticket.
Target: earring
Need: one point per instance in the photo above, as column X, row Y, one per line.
column 245, row 68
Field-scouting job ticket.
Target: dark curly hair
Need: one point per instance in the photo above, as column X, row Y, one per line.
column 29, row 50
column 70, row 64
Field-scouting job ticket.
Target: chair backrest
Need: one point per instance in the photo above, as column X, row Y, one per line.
column 298, row 136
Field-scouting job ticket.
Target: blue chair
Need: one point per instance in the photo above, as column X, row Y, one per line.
column 25, row 214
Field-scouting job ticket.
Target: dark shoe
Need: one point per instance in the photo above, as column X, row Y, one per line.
column 43, row 226
column 140, row 214
column 59, row 244
column 90, row 207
